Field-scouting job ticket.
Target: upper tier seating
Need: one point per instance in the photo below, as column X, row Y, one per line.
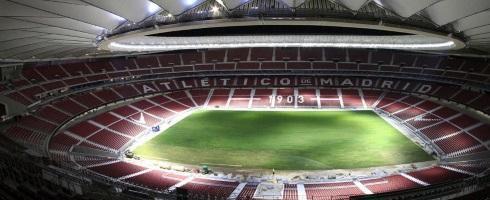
column 57, row 76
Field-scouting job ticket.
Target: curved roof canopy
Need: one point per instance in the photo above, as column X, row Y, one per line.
column 46, row 29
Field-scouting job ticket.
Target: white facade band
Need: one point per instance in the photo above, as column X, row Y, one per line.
column 404, row 42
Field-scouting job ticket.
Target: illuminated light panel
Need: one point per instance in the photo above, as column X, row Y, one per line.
column 221, row 3
column 117, row 17
column 408, row 42
column 152, row 7
column 189, row 2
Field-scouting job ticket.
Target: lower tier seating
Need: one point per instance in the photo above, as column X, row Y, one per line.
column 116, row 127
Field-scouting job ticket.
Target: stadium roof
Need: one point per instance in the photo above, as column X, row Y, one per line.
column 49, row 29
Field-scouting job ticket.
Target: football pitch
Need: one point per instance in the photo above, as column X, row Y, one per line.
column 285, row 140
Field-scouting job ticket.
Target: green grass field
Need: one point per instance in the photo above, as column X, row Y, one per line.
column 296, row 140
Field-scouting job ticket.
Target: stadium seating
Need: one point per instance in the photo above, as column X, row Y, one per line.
column 481, row 132
column 436, row 175
column 439, row 130
column 307, row 98
column 351, row 98
column 199, row 96
column 123, row 124
column 329, row 98
column 240, row 98
column 90, row 161
column 219, row 98
column 114, row 129
column 92, row 85
column 104, row 70
column 109, row 139
column 62, row 142
column 247, row 191
column 261, row 98
column 202, row 188
column 25, row 136
column 118, row 169
column 284, row 98
column 328, row 190
column 290, row 192
column 156, row 179
column 68, row 105
column 459, row 142
column 388, row 184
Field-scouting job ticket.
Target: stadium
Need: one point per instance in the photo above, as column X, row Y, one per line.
column 244, row 99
